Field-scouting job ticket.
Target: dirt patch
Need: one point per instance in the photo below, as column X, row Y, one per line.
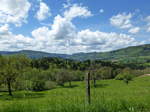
column 145, row 75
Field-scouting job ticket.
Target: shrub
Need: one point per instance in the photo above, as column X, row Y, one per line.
column 126, row 77
column 63, row 76
column 119, row 77
column 50, row 85
column 38, row 85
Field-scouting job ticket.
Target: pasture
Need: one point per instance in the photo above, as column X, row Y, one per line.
column 108, row 96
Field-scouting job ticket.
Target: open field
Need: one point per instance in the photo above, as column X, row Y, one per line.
column 108, row 96
column 74, row 56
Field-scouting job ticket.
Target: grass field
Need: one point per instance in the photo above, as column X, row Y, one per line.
column 108, row 96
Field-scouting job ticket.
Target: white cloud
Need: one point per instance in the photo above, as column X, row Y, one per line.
column 103, row 41
column 77, row 11
column 41, row 33
column 101, row 10
column 10, row 41
column 82, row 41
column 14, row 11
column 122, row 21
column 62, row 28
column 4, row 29
column 43, row 12
column 63, row 37
column 134, row 30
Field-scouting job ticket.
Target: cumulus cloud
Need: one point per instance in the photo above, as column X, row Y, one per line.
column 10, row 41
column 77, row 11
column 83, row 41
column 63, row 36
column 43, row 12
column 62, row 28
column 14, row 11
column 103, row 41
column 122, row 21
column 4, row 29
column 134, row 30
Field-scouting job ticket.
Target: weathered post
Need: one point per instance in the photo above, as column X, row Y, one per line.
column 88, row 91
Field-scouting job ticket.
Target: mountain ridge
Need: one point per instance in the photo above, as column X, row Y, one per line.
column 129, row 52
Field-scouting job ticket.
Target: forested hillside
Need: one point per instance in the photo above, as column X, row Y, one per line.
column 138, row 54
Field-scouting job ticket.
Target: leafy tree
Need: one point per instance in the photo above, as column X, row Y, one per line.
column 37, row 78
column 96, row 75
column 63, row 76
column 127, row 78
column 106, row 72
column 10, row 69
column 38, row 85
column 126, row 75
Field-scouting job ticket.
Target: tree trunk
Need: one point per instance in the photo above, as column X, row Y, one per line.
column 88, row 92
column 9, row 88
column 94, row 82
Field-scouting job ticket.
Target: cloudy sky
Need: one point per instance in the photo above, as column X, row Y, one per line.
column 72, row 26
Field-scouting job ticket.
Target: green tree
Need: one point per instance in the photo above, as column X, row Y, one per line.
column 64, row 75
column 10, row 69
column 127, row 78
column 126, row 75
column 37, row 78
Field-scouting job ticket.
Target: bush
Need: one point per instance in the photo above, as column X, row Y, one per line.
column 127, row 78
column 62, row 76
column 22, row 85
column 124, row 76
column 50, row 85
column 119, row 77
column 38, row 85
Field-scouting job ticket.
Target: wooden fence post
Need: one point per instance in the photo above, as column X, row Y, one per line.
column 88, row 91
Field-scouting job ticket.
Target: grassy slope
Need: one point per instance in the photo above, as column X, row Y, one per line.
column 109, row 96
column 130, row 52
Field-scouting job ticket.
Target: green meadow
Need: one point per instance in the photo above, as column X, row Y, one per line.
column 108, row 96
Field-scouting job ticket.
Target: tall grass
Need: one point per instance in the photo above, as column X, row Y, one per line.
column 108, row 96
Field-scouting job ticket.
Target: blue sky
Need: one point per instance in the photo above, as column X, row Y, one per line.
column 72, row 26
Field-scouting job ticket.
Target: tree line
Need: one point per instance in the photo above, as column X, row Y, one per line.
column 18, row 72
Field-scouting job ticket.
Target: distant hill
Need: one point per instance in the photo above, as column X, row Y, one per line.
column 33, row 54
column 135, row 53
column 125, row 53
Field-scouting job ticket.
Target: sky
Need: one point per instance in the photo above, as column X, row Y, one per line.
column 73, row 26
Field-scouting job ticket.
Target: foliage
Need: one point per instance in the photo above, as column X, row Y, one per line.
column 109, row 96
column 126, row 75
column 38, row 85
column 10, row 69
column 119, row 77
column 50, row 85
column 63, row 76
